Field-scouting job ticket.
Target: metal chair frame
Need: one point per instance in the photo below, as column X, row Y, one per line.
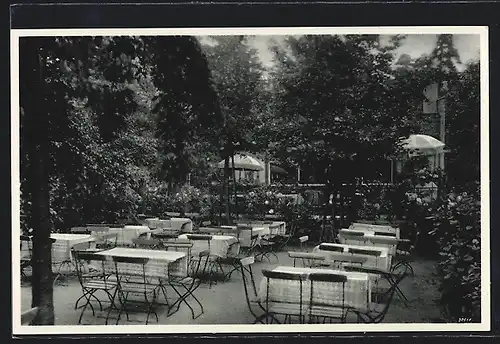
column 93, row 282
column 322, row 309
column 141, row 286
column 269, row 275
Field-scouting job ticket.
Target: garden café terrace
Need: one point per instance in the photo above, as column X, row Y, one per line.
column 176, row 272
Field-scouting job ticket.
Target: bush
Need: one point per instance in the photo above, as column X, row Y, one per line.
column 458, row 232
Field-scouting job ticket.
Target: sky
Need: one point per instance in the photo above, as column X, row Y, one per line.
column 414, row 45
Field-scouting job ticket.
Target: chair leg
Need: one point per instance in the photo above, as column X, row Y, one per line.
column 182, row 298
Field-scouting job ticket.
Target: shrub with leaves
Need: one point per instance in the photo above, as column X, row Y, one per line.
column 458, row 232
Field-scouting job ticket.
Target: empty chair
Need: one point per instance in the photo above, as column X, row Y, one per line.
column 303, row 242
column 103, row 238
column 331, row 248
column 189, row 283
column 288, row 305
column 93, row 282
column 353, row 233
column 268, row 246
column 152, row 244
column 377, row 310
column 165, row 234
column 308, row 259
column 204, row 254
column 350, row 260
column 79, row 230
column 254, row 304
column 368, row 252
column 319, row 307
column 133, row 279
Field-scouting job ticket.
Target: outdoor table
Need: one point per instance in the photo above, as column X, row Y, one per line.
column 64, row 242
column 161, row 264
column 357, row 288
column 61, row 247
column 369, row 239
column 274, row 228
column 220, row 245
column 127, row 234
column 245, row 235
column 372, row 229
column 175, row 223
column 382, row 262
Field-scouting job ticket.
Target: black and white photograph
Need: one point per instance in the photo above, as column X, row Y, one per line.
column 250, row 180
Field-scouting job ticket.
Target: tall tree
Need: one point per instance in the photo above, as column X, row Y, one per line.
column 341, row 105
column 237, row 74
column 186, row 107
column 63, row 84
column 463, row 132
column 33, row 103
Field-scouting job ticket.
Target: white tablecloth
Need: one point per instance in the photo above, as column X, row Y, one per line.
column 128, row 233
column 357, row 288
column 371, row 229
column 246, row 234
column 381, row 262
column 61, row 248
column 275, row 228
column 178, row 223
column 369, row 239
column 161, row 263
column 220, row 245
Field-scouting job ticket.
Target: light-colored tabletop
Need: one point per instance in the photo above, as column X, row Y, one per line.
column 71, row 236
column 220, row 245
column 381, row 262
column 357, row 289
column 169, row 256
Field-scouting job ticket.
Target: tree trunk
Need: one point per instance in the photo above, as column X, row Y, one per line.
column 42, row 287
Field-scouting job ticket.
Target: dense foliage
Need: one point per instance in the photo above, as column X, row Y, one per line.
column 458, row 232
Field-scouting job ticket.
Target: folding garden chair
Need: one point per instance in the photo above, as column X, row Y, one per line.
column 251, row 296
column 79, row 230
column 331, row 248
column 93, row 282
column 26, row 253
column 189, row 285
column 355, row 260
column 151, row 244
column 60, row 259
column 282, row 241
column 166, row 234
column 277, row 306
column 303, row 242
column 103, row 238
column 392, row 279
column 204, row 254
column 376, row 311
column 327, row 309
column 367, row 252
column 308, row 259
column 133, row 279
column 266, row 247
column 405, row 252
